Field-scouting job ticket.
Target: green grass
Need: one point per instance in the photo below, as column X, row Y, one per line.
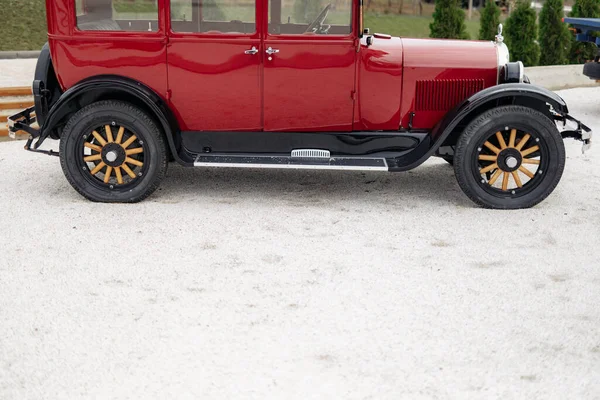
column 408, row 25
column 22, row 25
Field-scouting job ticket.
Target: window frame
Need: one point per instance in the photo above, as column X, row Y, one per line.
column 258, row 5
column 91, row 34
column 297, row 36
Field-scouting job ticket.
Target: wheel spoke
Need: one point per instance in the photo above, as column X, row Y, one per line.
column 129, row 141
column 119, row 176
column 98, row 168
column 491, row 147
column 95, row 157
column 484, row 157
column 530, row 150
column 134, row 162
column 128, row 170
column 108, row 174
column 526, row 171
column 515, row 175
column 501, row 140
column 109, row 133
column 488, row 168
column 513, row 136
column 137, row 150
column 120, row 135
column 523, row 141
column 99, row 138
column 93, row 147
column 530, row 161
column 505, row 181
column 495, row 176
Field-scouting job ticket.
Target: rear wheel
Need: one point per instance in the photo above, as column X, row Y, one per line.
column 509, row 157
column 112, row 151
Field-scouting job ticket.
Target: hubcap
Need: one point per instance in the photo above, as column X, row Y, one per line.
column 505, row 155
column 111, row 156
column 510, row 162
column 113, row 159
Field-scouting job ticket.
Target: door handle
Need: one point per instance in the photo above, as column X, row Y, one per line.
column 270, row 51
column 253, row 50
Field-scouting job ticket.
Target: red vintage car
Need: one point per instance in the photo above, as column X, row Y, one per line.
column 128, row 85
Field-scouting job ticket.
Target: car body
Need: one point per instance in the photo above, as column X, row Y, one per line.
column 265, row 91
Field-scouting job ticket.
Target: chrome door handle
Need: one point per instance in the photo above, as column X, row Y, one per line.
column 270, row 51
column 253, row 50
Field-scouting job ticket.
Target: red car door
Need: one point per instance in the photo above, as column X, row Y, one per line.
column 214, row 65
column 309, row 58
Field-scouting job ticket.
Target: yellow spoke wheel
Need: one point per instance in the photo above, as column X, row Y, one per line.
column 114, row 154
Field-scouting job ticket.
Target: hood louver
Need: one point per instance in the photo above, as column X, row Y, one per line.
column 445, row 94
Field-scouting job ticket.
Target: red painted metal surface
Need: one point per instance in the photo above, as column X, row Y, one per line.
column 309, row 85
column 379, row 85
column 431, row 59
column 315, row 83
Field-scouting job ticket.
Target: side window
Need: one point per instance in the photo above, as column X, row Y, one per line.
column 310, row 17
column 214, row 16
column 117, row 15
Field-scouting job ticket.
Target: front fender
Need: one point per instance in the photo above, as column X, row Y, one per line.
column 451, row 126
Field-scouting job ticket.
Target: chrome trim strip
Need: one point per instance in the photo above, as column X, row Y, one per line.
column 311, row 153
column 291, row 166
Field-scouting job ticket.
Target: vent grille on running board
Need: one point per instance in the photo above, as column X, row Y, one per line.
column 311, row 153
column 444, row 94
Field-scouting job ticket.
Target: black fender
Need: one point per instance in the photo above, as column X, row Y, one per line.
column 110, row 87
column 451, row 126
column 46, row 90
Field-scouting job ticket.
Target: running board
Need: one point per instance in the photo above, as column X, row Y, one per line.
column 292, row 162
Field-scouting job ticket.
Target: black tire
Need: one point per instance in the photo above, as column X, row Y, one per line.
column 537, row 130
column 133, row 185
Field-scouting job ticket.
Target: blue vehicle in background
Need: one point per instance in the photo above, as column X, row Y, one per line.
column 586, row 27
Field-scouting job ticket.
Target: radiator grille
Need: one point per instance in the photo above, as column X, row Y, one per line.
column 444, row 94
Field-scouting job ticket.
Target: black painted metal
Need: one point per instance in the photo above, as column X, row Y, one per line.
column 114, row 87
column 382, row 144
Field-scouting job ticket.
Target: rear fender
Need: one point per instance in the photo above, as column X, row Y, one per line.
column 113, row 87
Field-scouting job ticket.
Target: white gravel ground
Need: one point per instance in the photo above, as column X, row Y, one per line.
column 230, row 284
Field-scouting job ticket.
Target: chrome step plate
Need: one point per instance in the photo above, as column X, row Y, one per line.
column 311, row 153
column 289, row 162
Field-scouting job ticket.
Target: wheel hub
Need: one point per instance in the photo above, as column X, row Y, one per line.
column 113, row 154
column 509, row 159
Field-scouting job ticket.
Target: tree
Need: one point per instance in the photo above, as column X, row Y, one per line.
column 555, row 39
column 448, row 21
column 521, row 34
column 583, row 51
column 490, row 18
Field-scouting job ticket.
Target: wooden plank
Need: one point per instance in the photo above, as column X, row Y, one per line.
column 15, row 105
column 15, row 91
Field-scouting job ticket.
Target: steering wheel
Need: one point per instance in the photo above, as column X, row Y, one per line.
column 317, row 25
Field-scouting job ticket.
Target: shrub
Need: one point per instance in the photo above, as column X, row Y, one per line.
column 555, row 39
column 521, row 34
column 490, row 18
column 448, row 21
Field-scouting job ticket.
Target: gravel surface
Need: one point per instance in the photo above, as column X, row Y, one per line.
column 269, row 284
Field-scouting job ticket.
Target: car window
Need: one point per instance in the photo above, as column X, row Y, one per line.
column 117, row 15
column 310, row 17
column 214, row 16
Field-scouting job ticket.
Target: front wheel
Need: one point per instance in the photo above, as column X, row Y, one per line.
column 113, row 152
column 509, row 157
